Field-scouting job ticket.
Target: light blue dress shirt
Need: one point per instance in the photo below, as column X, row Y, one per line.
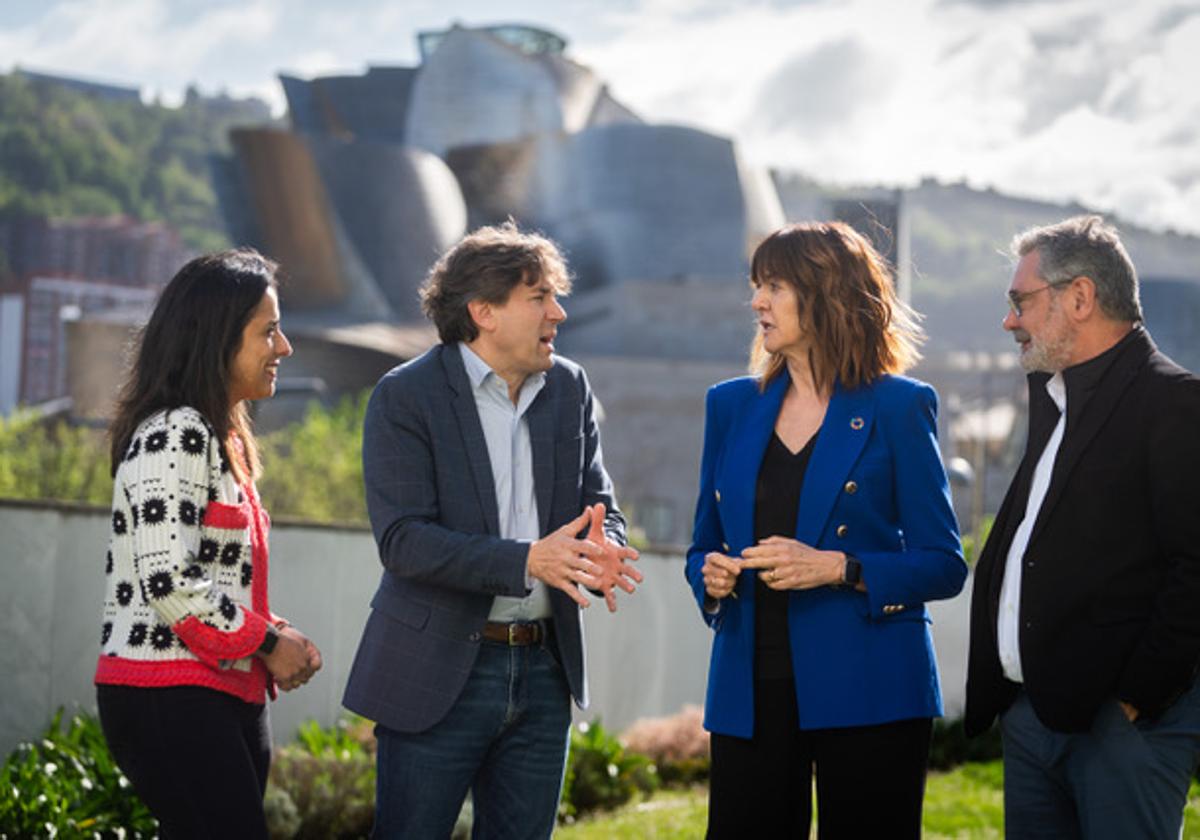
column 506, row 431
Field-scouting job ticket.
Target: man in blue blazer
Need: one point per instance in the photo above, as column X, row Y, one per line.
column 482, row 466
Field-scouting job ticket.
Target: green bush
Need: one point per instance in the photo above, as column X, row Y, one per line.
column 320, row 796
column 53, row 460
column 349, row 736
column 972, row 543
column 678, row 745
column 324, row 785
column 951, row 746
column 67, row 785
column 601, row 774
column 326, row 443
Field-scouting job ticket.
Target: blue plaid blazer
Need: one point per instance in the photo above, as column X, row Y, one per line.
column 432, row 504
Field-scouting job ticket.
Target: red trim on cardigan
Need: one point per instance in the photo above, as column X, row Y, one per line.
column 210, row 645
column 250, row 686
column 260, row 525
column 221, row 515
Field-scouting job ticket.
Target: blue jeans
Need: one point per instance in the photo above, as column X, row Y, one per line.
column 505, row 738
column 1118, row 780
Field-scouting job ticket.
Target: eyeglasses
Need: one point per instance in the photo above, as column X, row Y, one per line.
column 1016, row 300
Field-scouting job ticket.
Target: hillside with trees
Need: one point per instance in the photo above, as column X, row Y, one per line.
column 65, row 153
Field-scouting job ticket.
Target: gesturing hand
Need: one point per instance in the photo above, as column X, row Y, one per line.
column 790, row 564
column 562, row 561
column 614, row 571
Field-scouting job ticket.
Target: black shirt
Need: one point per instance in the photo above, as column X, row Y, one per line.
column 776, row 504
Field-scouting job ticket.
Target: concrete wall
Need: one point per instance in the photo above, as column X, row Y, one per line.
column 647, row 660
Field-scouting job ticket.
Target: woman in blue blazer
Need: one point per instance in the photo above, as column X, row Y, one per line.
column 823, row 525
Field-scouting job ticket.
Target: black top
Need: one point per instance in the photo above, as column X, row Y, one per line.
column 776, row 503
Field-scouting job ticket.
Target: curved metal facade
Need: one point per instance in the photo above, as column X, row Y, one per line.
column 373, row 106
column 292, row 210
column 642, row 202
column 400, row 208
column 398, row 163
column 476, row 89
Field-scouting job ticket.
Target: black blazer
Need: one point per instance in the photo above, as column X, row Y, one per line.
column 1110, row 591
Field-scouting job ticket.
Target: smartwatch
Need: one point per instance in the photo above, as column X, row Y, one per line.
column 269, row 641
column 853, row 572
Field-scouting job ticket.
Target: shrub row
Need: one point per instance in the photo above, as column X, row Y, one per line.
column 323, row 786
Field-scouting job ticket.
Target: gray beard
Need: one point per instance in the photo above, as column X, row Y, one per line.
column 1047, row 356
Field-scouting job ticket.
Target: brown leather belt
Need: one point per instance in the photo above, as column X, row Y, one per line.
column 517, row 634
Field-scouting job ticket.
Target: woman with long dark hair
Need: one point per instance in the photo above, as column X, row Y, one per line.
column 823, row 526
column 189, row 646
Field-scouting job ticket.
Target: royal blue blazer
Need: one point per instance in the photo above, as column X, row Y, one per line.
column 875, row 488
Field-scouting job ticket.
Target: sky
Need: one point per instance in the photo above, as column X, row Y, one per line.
column 1094, row 101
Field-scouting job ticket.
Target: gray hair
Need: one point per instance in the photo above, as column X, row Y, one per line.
column 1084, row 246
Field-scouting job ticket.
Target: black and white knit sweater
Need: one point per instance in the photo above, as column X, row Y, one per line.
column 186, row 572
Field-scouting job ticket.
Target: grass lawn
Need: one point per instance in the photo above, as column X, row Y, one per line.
column 967, row 802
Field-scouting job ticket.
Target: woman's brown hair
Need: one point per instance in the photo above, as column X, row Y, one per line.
column 858, row 328
column 184, row 354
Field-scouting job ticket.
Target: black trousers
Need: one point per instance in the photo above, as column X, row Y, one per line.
column 870, row 779
column 197, row 757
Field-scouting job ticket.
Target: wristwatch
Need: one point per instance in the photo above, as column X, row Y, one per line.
column 269, row 641
column 853, row 572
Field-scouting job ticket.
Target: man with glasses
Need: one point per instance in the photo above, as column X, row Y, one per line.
column 1085, row 620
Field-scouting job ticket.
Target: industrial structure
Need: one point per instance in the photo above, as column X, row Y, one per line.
column 382, row 171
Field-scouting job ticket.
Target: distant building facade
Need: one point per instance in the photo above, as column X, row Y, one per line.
column 61, row 271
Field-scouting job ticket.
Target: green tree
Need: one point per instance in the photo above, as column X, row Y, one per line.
column 65, row 153
column 313, row 469
column 31, row 162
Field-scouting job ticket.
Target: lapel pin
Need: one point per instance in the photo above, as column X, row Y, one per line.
column 856, row 423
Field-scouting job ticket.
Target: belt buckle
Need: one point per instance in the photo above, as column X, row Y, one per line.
column 512, row 633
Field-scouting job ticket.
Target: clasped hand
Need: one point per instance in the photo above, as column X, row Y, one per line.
column 294, row 660
column 784, row 563
column 564, row 561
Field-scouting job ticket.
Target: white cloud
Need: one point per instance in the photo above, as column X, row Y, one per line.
column 1090, row 100
column 1076, row 100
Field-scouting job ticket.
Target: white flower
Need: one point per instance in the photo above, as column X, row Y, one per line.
column 612, row 771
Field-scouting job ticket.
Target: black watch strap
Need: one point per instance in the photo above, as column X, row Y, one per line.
column 269, row 641
column 853, row 573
